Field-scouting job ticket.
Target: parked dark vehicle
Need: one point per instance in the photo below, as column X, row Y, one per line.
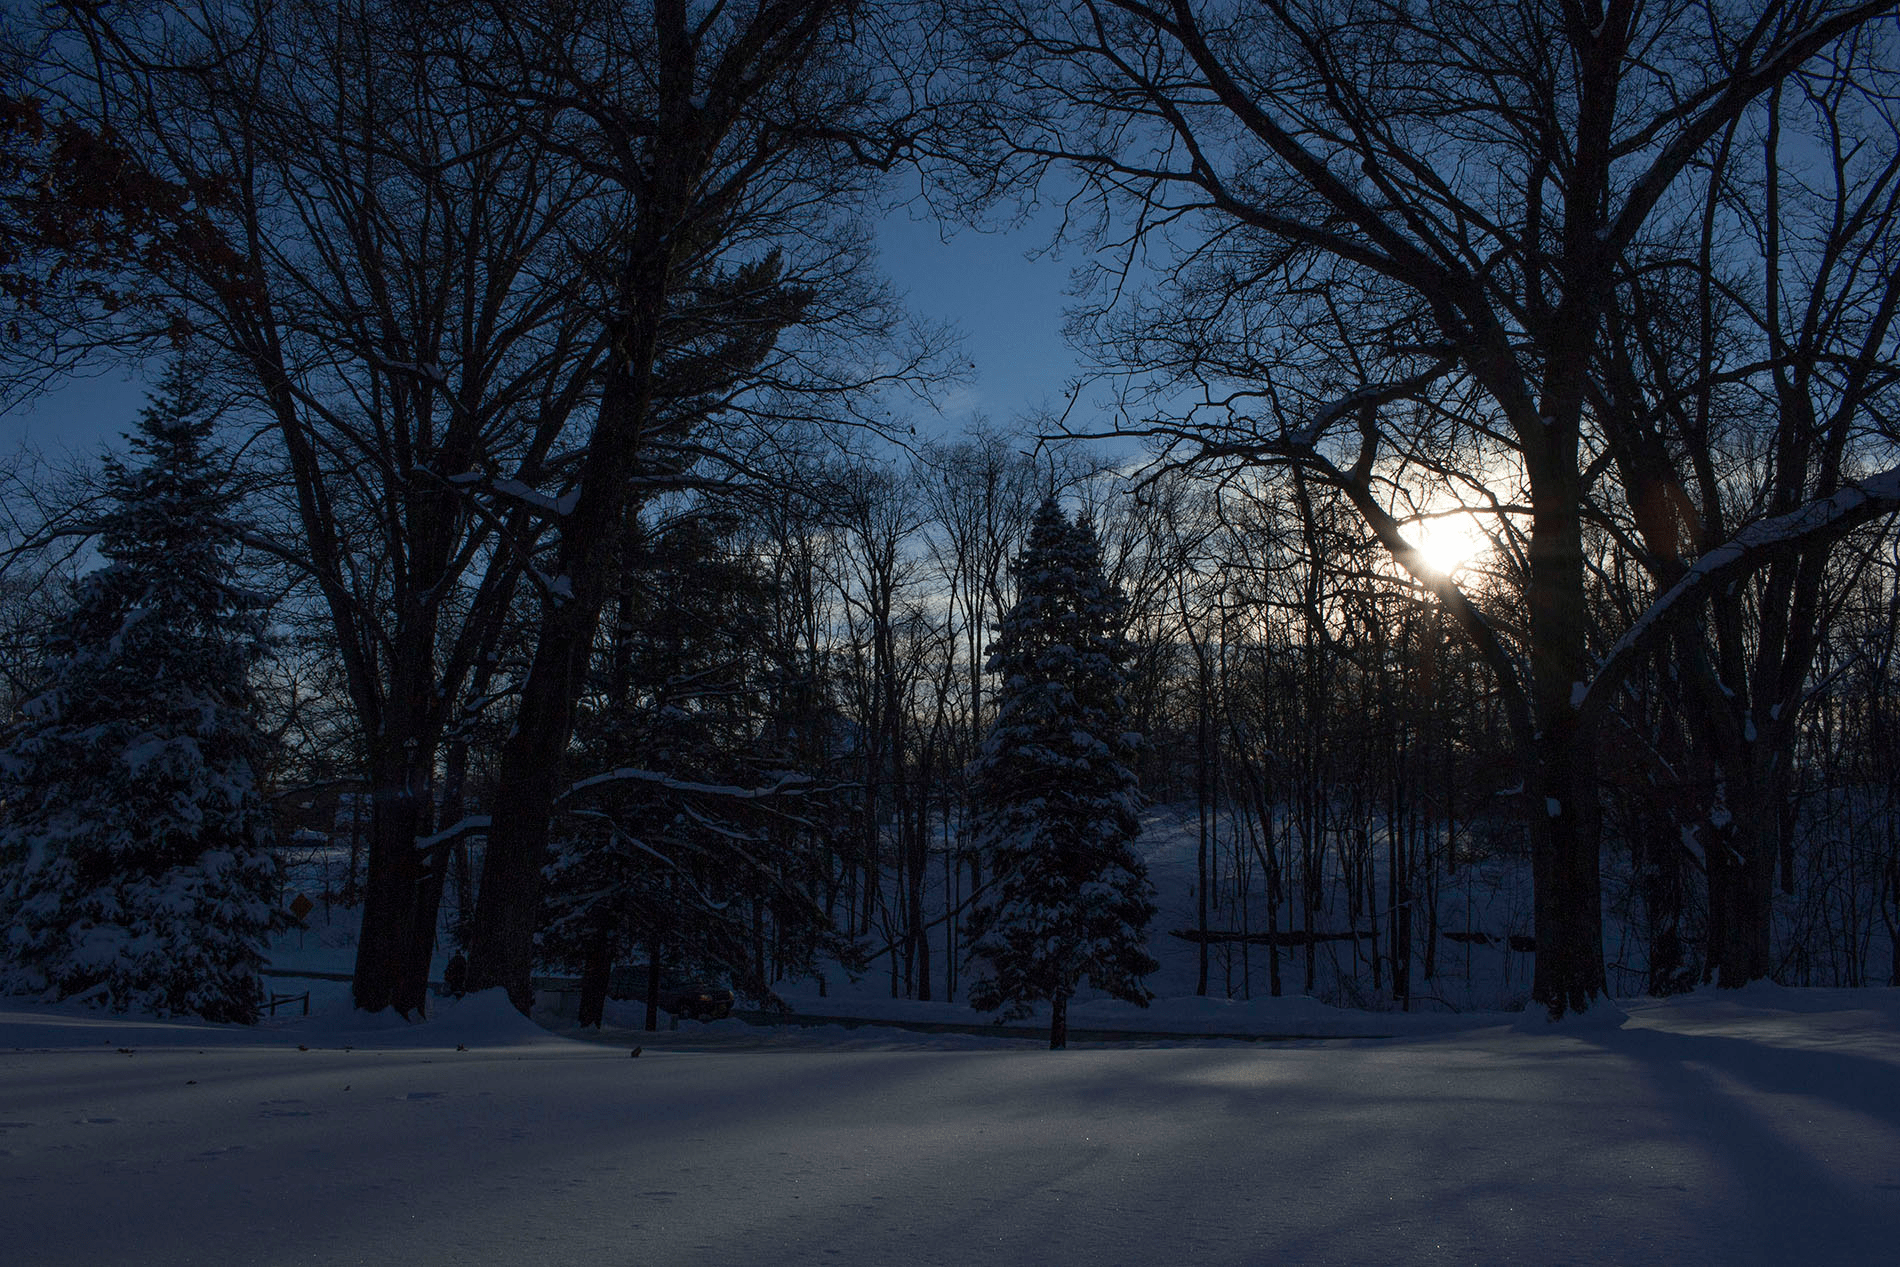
column 695, row 998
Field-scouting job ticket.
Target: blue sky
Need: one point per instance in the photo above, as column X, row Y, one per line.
column 1006, row 299
column 76, row 417
column 1008, row 306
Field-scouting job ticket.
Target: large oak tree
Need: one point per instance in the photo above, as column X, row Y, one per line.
column 1392, row 237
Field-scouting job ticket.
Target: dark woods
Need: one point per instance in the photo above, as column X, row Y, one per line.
column 1514, row 384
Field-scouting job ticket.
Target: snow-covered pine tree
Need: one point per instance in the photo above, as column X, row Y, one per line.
column 1055, row 795
column 135, row 859
column 674, row 852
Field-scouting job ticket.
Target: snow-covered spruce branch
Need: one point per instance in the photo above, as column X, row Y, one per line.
column 726, row 833
column 786, row 785
column 1816, row 523
column 622, row 835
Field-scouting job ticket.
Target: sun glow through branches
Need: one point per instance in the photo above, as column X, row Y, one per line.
column 1448, row 542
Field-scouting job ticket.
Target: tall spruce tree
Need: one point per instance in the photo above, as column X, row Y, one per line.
column 135, row 856
column 1056, row 795
column 684, row 836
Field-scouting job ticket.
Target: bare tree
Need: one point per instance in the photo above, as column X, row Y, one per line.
column 390, row 285
column 1415, row 224
column 739, row 138
column 1750, row 370
column 980, row 492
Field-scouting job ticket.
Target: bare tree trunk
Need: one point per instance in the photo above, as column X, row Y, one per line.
column 403, row 893
column 596, row 967
column 388, row 892
column 1742, row 852
column 507, row 909
column 1201, row 810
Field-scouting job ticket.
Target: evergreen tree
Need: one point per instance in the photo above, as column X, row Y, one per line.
column 679, row 849
column 1055, row 793
column 135, row 856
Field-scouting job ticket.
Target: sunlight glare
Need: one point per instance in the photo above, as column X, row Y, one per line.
column 1449, row 542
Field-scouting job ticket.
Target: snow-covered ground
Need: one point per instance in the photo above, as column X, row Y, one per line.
column 1754, row 1128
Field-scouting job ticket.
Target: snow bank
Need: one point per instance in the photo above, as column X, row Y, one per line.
column 734, row 1034
column 1603, row 1015
column 73, row 1027
column 1288, row 1016
column 485, row 1020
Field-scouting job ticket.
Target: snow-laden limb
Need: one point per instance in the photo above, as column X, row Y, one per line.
column 517, row 490
column 1819, row 521
column 469, row 825
column 431, row 372
column 631, row 774
column 557, row 590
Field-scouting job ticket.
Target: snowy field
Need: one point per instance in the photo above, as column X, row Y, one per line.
column 1763, row 1128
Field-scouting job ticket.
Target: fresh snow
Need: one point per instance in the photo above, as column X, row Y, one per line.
column 1760, row 1126
column 1293, row 1016
column 521, row 491
column 1856, row 501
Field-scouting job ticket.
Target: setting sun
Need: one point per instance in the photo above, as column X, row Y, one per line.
column 1448, row 542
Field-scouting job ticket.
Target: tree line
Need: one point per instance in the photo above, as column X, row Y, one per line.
column 559, row 343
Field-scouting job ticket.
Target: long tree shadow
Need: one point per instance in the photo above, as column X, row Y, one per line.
column 1808, row 1197
column 1858, row 1083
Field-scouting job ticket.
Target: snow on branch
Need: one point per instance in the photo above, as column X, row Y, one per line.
column 472, row 825
column 1817, row 522
column 556, row 589
column 656, row 779
column 522, row 492
column 627, row 838
column 430, row 372
column 561, row 506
